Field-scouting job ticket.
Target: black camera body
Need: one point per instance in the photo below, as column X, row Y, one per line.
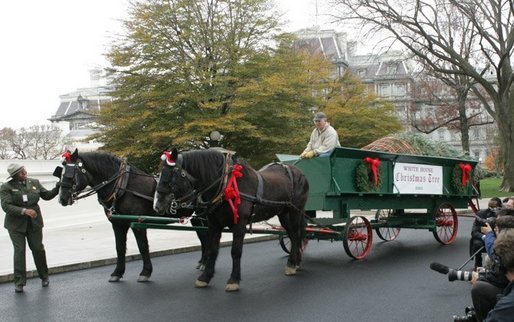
column 489, row 220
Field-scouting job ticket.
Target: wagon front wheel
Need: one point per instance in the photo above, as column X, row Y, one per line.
column 385, row 233
column 446, row 223
column 358, row 237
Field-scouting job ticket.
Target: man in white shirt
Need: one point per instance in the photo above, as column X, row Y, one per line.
column 324, row 138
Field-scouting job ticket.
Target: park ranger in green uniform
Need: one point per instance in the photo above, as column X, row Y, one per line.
column 19, row 197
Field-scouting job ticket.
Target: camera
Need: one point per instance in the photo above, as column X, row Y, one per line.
column 490, row 220
column 454, row 275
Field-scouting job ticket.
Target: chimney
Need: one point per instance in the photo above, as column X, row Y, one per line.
column 94, row 75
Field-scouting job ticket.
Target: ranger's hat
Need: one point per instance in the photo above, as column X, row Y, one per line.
column 319, row 116
column 13, row 169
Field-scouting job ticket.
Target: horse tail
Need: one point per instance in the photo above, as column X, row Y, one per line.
column 300, row 194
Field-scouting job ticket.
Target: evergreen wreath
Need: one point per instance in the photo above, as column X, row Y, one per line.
column 364, row 180
column 457, row 185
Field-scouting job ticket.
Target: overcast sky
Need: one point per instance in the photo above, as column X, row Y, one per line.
column 48, row 48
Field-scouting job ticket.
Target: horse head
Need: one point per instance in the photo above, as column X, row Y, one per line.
column 176, row 187
column 73, row 180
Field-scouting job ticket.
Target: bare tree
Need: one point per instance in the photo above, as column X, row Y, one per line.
column 6, row 136
column 423, row 27
column 36, row 142
column 444, row 106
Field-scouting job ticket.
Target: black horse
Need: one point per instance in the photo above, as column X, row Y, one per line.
column 120, row 188
column 230, row 193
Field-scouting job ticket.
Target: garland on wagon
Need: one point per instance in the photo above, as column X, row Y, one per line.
column 461, row 177
column 368, row 175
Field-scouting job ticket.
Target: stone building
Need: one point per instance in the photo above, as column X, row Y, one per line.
column 76, row 114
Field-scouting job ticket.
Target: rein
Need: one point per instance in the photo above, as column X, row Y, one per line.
column 120, row 180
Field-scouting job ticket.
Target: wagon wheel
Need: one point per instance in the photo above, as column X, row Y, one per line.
column 447, row 224
column 358, row 237
column 385, row 233
column 285, row 243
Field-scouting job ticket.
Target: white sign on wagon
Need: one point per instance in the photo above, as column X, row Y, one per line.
column 418, row 178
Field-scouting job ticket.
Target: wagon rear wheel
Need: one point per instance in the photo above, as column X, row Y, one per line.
column 447, row 224
column 385, row 233
column 358, row 237
column 285, row 243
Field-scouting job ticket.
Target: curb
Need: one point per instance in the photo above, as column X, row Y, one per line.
column 110, row 261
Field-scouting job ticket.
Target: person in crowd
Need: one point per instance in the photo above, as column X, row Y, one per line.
column 477, row 237
column 508, row 202
column 19, row 199
column 490, row 282
column 504, row 248
column 323, row 140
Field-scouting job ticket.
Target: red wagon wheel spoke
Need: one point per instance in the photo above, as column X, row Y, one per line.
column 358, row 237
column 446, row 223
column 385, row 233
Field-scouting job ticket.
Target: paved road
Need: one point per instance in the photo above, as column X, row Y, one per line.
column 394, row 283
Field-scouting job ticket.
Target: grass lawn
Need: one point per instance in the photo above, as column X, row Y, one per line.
column 489, row 188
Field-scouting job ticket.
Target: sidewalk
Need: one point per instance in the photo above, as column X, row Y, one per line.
column 79, row 237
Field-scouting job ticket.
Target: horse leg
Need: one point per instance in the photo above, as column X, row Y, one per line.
column 214, row 237
column 202, row 236
column 238, row 235
column 120, row 236
column 144, row 250
column 294, row 231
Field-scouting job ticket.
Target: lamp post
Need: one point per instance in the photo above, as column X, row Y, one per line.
column 215, row 138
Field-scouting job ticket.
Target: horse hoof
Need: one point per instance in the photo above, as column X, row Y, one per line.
column 114, row 279
column 143, row 278
column 201, row 284
column 233, row 287
column 290, row 271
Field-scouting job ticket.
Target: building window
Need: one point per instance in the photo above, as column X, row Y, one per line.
column 391, row 69
column 441, row 133
column 384, row 90
column 399, row 89
column 476, row 133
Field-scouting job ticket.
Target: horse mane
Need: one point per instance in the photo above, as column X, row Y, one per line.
column 103, row 162
column 205, row 164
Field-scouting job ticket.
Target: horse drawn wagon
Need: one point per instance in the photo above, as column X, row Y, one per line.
column 387, row 192
column 362, row 191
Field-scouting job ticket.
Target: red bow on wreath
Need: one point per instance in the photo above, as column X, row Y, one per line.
column 374, row 164
column 232, row 191
column 466, row 171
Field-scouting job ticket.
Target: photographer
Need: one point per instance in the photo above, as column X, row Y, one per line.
column 504, row 308
column 477, row 237
column 491, row 282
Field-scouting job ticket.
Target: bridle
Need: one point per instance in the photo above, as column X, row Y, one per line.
column 73, row 170
column 194, row 198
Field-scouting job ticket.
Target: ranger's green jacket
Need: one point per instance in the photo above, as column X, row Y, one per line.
column 11, row 195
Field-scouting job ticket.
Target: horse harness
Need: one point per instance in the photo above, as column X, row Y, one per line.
column 120, row 179
column 209, row 206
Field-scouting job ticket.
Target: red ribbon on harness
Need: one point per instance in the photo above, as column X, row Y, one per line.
column 374, row 164
column 231, row 193
column 466, row 171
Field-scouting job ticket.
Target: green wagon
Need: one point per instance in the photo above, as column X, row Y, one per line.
column 369, row 190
